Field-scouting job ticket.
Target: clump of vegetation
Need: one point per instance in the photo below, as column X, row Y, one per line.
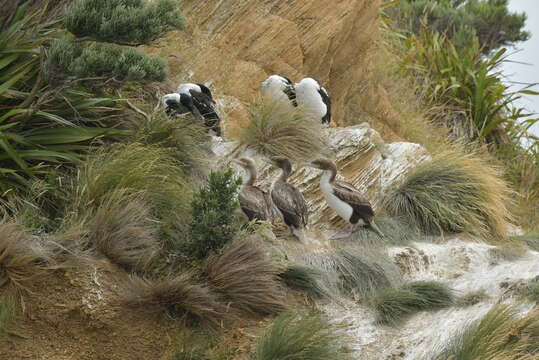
column 501, row 334
column 358, row 272
column 104, row 60
column 304, row 278
column 531, row 240
column 397, row 232
column 462, row 20
column 453, row 192
column 393, row 305
column 509, row 251
column 122, row 21
column 532, row 290
column 178, row 297
column 139, row 170
column 472, row 298
column 20, row 260
column 182, row 137
column 298, row 337
column 363, row 271
column 246, row 277
column 8, row 310
column 276, row 131
column 121, row 228
column 213, row 208
column 43, row 127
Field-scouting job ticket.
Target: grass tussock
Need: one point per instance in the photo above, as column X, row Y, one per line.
column 397, row 232
column 298, row 337
column 531, row 240
column 509, row 251
column 246, row 277
column 122, row 229
column 363, row 272
column 137, row 170
column 304, row 278
column 20, row 260
column 180, row 136
column 277, row 131
column 501, row 335
column 8, row 310
column 178, row 297
column 454, row 192
column 532, row 290
column 393, row 305
column 472, row 298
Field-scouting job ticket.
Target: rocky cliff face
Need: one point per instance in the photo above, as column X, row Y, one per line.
column 234, row 45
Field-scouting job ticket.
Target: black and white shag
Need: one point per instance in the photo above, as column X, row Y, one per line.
column 314, row 99
column 279, row 89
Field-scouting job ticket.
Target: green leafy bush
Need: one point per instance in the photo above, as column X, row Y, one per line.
column 41, row 126
column 392, row 305
column 453, row 192
column 105, row 60
column 299, row 337
column 466, row 82
column 213, row 208
column 501, row 334
column 122, row 21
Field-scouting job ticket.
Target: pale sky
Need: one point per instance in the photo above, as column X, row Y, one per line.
column 529, row 53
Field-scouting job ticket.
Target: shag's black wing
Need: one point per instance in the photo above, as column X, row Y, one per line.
column 327, row 100
column 206, row 91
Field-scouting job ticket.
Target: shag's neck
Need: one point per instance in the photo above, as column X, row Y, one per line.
column 328, row 176
column 285, row 173
column 251, row 173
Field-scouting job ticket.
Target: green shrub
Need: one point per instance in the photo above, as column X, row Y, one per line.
column 453, row 192
column 213, row 208
column 501, row 334
column 105, row 60
column 392, row 305
column 304, row 278
column 298, row 337
column 276, row 131
column 122, row 21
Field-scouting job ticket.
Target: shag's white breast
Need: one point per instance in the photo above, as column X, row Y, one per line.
column 310, row 100
column 340, row 207
column 185, row 88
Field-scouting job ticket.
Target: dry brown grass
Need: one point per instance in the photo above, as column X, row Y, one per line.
column 246, row 277
column 276, row 131
column 20, row 260
column 122, row 229
column 178, row 297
